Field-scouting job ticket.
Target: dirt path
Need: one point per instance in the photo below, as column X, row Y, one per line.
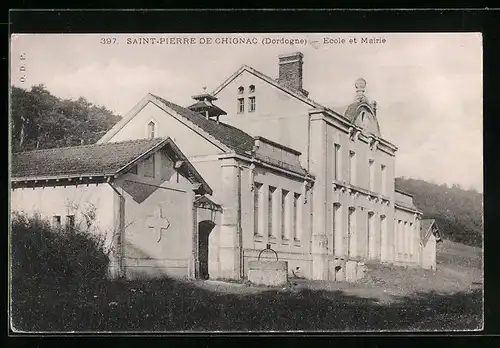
column 458, row 271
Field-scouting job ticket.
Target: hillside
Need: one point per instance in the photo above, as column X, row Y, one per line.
column 41, row 120
column 458, row 212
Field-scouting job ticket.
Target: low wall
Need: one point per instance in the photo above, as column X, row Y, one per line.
column 154, row 269
column 346, row 270
column 270, row 273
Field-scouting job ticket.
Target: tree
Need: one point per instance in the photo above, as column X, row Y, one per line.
column 41, row 120
column 458, row 212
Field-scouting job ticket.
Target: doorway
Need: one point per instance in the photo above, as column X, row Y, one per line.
column 204, row 229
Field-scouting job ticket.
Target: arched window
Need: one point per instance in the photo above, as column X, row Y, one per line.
column 251, row 89
column 151, row 129
column 241, row 90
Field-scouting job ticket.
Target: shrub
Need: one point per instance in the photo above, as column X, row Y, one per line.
column 48, row 257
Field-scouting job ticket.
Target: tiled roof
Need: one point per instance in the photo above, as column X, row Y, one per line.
column 232, row 137
column 406, row 205
column 95, row 159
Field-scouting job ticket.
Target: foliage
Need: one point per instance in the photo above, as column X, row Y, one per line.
column 458, row 212
column 48, row 262
column 41, row 120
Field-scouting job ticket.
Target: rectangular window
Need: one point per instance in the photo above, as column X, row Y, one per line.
column 352, row 167
column 70, row 222
column 370, row 238
column 336, row 162
column 56, row 221
column 407, row 239
column 257, row 193
column 350, row 231
column 382, row 237
column 284, row 194
column 400, row 237
column 412, row 239
column 149, row 166
column 371, row 177
column 337, row 230
column 270, row 212
column 382, row 176
column 295, row 216
column 241, row 105
column 333, row 241
column 251, row 104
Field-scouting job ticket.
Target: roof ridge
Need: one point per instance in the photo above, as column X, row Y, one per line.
column 285, row 88
column 199, row 115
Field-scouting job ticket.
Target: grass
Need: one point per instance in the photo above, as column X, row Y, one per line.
column 389, row 298
column 172, row 305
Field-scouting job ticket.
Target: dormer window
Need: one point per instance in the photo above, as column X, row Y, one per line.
column 151, row 130
column 241, row 90
column 251, row 89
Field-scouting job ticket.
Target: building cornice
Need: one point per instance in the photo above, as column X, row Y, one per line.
column 400, row 206
column 59, row 180
column 343, row 186
column 260, row 162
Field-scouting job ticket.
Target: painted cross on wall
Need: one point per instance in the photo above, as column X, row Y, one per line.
column 157, row 222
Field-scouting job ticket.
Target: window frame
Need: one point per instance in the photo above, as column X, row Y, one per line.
column 154, row 129
column 252, row 104
column 270, row 211
column 70, row 222
column 241, row 105
column 56, row 221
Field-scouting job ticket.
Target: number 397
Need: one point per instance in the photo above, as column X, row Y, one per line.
column 108, row 40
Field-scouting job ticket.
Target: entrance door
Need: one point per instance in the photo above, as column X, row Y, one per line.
column 204, row 229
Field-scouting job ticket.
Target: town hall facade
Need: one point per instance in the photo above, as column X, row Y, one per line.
column 280, row 169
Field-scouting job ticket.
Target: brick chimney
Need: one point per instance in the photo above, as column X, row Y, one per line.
column 290, row 71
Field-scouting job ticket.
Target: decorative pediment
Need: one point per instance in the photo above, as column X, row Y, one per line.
column 362, row 113
column 366, row 120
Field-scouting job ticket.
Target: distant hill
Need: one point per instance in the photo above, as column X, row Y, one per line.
column 458, row 212
column 41, row 120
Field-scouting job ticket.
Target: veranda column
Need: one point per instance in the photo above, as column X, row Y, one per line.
column 230, row 226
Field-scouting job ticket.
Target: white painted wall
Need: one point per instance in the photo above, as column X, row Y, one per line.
column 428, row 256
column 407, row 238
column 190, row 143
column 69, row 200
column 279, row 116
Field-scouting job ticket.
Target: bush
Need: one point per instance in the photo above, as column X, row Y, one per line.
column 49, row 257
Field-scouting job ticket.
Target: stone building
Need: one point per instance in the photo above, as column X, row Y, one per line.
column 316, row 184
column 142, row 196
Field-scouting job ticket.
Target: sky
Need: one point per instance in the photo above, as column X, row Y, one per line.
column 428, row 86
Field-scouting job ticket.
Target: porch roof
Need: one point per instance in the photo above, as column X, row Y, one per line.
column 206, row 203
